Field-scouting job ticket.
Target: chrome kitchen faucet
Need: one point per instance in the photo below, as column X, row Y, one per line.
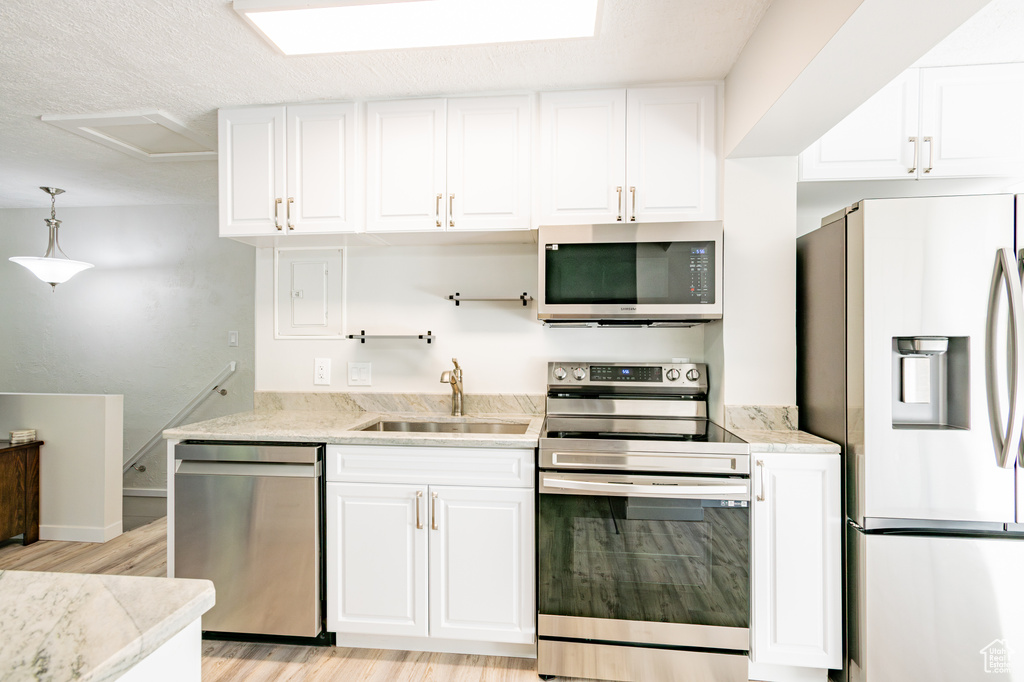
column 454, row 377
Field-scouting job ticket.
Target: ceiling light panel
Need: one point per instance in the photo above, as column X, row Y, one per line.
column 362, row 25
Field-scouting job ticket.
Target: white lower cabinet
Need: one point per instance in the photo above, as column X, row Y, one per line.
column 426, row 560
column 796, row 614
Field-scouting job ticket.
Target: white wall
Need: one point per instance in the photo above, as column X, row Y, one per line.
column 79, row 462
column 753, row 349
column 150, row 321
column 403, row 290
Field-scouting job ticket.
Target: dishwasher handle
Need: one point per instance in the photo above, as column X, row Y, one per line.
column 274, row 470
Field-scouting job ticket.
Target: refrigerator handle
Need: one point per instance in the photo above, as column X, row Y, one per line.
column 1006, row 274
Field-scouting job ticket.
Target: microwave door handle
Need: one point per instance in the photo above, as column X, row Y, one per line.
column 627, row 489
column 1006, row 273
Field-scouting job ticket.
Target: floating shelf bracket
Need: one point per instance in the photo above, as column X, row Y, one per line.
column 362, row 336
column 458, row 298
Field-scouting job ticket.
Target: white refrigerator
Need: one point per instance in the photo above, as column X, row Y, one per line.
column 911, row 356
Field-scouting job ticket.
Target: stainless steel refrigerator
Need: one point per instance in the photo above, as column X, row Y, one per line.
column 911, row 356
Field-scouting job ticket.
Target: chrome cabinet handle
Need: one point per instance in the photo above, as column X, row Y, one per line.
column 931, row 151
column 437, row 210
column 760, row 466
column 419, row 521
column 277, row 213
column 1009, row 441
column 632, row 191
column 913, row 168
column 433, row 511
column 618, row 191
column 451, row 210
column 288, row 213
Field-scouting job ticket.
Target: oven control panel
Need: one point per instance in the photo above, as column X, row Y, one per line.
column 675, row 375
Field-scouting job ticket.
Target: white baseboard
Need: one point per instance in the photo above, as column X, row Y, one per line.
column 144, row 492
column 449, row 646
column 767, row 672
column 80, row 533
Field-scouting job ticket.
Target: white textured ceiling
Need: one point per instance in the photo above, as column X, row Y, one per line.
column 191, row 57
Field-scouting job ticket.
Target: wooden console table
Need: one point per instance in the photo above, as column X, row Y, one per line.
column 19, row 490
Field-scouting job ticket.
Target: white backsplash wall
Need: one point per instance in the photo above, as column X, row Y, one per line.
column 150, row 321
column 404, row 290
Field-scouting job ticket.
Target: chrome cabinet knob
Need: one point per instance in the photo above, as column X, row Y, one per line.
column 672, row 374
column 560, row 373
column 692, row 374
column 579, row 374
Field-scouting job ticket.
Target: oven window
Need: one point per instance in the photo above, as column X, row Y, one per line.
column 645, row 559
column 616, row 273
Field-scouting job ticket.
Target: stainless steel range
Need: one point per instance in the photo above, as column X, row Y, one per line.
column 643, row 531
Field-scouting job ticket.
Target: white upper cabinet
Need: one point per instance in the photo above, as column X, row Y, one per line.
column 636, row 155
column 489, row 163
column 875, row 141
column 460, row 164
column 405, row 165
column 796, row 610
column 582, row 157
column 961, row 121
column 972, row 120
column 286, row 170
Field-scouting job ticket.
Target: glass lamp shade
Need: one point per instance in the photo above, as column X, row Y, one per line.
column 51, row 270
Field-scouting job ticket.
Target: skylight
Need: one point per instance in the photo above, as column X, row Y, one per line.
column 362, row 25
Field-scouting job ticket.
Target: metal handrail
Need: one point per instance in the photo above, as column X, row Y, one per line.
column 213, row 387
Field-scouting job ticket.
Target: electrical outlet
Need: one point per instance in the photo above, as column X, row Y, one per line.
column 359, row 374
column 322, row 371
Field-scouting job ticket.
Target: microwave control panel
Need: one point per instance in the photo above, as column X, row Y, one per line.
column 702, row 273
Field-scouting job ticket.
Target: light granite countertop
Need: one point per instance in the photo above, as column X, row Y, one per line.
column 786, row 441
column 302, row 426
column 68, row 626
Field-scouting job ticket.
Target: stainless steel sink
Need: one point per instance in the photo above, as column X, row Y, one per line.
column 448, row 427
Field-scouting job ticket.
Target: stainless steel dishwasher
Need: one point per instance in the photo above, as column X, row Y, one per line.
column 248, row 517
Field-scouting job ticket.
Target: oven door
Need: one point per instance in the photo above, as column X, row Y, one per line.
column 661, row 560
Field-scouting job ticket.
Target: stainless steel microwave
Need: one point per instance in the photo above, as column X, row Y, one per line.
column 657, row 274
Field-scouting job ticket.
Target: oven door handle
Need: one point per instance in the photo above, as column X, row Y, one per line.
column 686, row 492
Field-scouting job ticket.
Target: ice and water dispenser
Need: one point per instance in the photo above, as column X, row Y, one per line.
column 930, row 382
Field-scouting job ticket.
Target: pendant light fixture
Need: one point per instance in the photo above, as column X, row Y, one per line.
column 50, row 267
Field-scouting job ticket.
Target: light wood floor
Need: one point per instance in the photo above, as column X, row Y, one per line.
column 143, row 551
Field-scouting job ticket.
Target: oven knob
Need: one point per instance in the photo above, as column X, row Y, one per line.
column 672, row 374
column 560, row 373
column 579, row 374
column 692, row 374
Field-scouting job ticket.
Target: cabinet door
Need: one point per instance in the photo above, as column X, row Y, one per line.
column 796, row 614
column 321, row 150
column 973, row 116
column 376, row 559
column 583, row 157
column 250, row 164
column 875, row 141
column 481, row 564
column 489, row 163
column 671, row 154
column 405, row 165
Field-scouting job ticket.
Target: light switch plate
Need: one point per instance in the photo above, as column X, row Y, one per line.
column 359, row 374
column 322, row 372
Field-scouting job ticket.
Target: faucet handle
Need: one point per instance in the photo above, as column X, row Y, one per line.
column 456, row 362
column 446, row 377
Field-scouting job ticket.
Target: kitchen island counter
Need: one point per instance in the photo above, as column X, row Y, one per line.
column 69, row 626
